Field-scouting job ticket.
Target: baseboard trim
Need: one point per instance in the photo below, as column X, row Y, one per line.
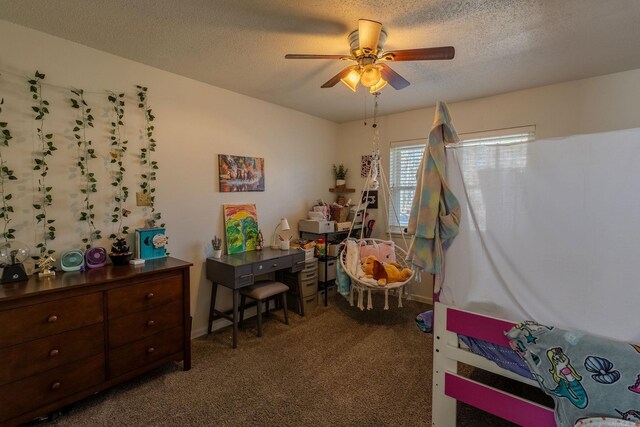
column 420, row 298
column 222, row 323
column 251, row 312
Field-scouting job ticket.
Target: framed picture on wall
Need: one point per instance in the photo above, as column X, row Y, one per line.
column 240, row 173
column 372, row 199
column 365, row 165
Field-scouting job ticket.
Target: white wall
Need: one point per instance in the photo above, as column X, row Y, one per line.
column 591, row 105
column 194, row 123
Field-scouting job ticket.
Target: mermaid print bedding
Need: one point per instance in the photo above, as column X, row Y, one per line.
column 586, row 376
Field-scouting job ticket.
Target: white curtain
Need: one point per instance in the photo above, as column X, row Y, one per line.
column 551, row 232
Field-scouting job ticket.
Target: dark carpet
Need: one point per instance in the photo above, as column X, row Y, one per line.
column 337, row 366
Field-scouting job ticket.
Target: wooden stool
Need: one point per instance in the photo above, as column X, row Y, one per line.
column 260, row 292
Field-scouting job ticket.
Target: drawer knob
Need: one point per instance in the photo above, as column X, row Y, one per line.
column 151, row 350
column 274, row 265
column 54, row 352
column 151, row 322
column 150, row 295
column 52, row 318
column 55, row 386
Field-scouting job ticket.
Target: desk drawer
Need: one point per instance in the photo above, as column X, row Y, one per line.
column 309, row 287
column 299, row 262
column 144, row 295
column 24, row 360
column 19, row 397
column 130, row 328
column 40, row 320
column 145, row 351
column 272, row 265
column 310, row 265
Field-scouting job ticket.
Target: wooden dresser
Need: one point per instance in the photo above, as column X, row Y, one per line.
column 66, row 337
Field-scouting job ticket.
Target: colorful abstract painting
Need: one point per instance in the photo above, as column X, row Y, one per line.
column 241, row 227
column 240, row 173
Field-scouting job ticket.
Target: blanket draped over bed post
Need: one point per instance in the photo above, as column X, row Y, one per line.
column 435, row 212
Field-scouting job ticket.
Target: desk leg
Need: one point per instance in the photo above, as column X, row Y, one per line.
column 212, row 307
column 236, row 293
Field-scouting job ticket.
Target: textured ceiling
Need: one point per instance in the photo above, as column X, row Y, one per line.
column 239, row 45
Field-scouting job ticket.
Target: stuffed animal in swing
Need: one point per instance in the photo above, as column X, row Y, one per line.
column 384, row 273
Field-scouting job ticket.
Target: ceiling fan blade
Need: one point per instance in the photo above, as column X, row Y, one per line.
column 394, row 79
column 368, row 35
column 312, row 56
column 424, row 54
column 335, row 79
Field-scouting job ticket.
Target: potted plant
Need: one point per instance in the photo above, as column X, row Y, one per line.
column 340, row 173
column 120, row 253
column 217, row 247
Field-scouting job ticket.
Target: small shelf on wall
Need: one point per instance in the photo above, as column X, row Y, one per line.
column 342, row 190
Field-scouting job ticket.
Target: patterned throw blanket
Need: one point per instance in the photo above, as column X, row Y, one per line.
column 586, row 376
column 435, row 211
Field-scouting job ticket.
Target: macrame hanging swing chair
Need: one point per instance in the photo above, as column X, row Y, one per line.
column 355, row 251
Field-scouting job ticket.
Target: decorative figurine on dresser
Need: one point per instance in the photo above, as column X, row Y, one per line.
column 12, row 255
column 120, row 253
column 74, row 334
column 151, row 243
column 45, row 264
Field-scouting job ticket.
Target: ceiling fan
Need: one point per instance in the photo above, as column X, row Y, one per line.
column 371, row 70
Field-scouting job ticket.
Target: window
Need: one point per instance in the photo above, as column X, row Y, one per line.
column 405, row 157
column 403, row 166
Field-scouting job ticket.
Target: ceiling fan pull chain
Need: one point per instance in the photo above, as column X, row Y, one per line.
column 365, row 110
column 376, row 133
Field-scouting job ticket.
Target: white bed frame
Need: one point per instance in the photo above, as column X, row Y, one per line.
column 449, row 387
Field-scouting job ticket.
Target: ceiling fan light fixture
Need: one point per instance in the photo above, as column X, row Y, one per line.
column 376, row 87
column 351, row 80
column 370, row 75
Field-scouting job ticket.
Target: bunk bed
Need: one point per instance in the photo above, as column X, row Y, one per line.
column 550, row 233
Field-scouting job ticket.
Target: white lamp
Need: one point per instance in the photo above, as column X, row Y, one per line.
column 284, row 225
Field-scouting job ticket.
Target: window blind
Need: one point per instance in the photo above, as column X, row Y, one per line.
column 405, row 157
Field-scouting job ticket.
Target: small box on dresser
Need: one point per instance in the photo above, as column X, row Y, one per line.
column 54, row 344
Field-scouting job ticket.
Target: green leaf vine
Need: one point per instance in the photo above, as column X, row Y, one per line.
column 44, row 197
column 6, row 174
column 118, row 149
column 149, row 166
column 85, row 153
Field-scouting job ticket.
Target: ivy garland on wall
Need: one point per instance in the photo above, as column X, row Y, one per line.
column 44, row 198
column 85, row 153
column 6, row 174
column 118, row 149
column 149, row 166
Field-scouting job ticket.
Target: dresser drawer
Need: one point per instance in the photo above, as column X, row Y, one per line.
column 24, row 360
column 144, row 295
column 146, row 351
column 21, row 396
column 40, row 320
column 135, row 326
column 271, row 265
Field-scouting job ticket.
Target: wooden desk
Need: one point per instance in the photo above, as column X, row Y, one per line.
column 238, row 270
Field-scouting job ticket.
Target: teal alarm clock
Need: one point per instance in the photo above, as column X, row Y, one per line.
column 151, row 243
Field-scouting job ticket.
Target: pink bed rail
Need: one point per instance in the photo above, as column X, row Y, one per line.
column 496, row 402
column 483, row 328
column 484, row 397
